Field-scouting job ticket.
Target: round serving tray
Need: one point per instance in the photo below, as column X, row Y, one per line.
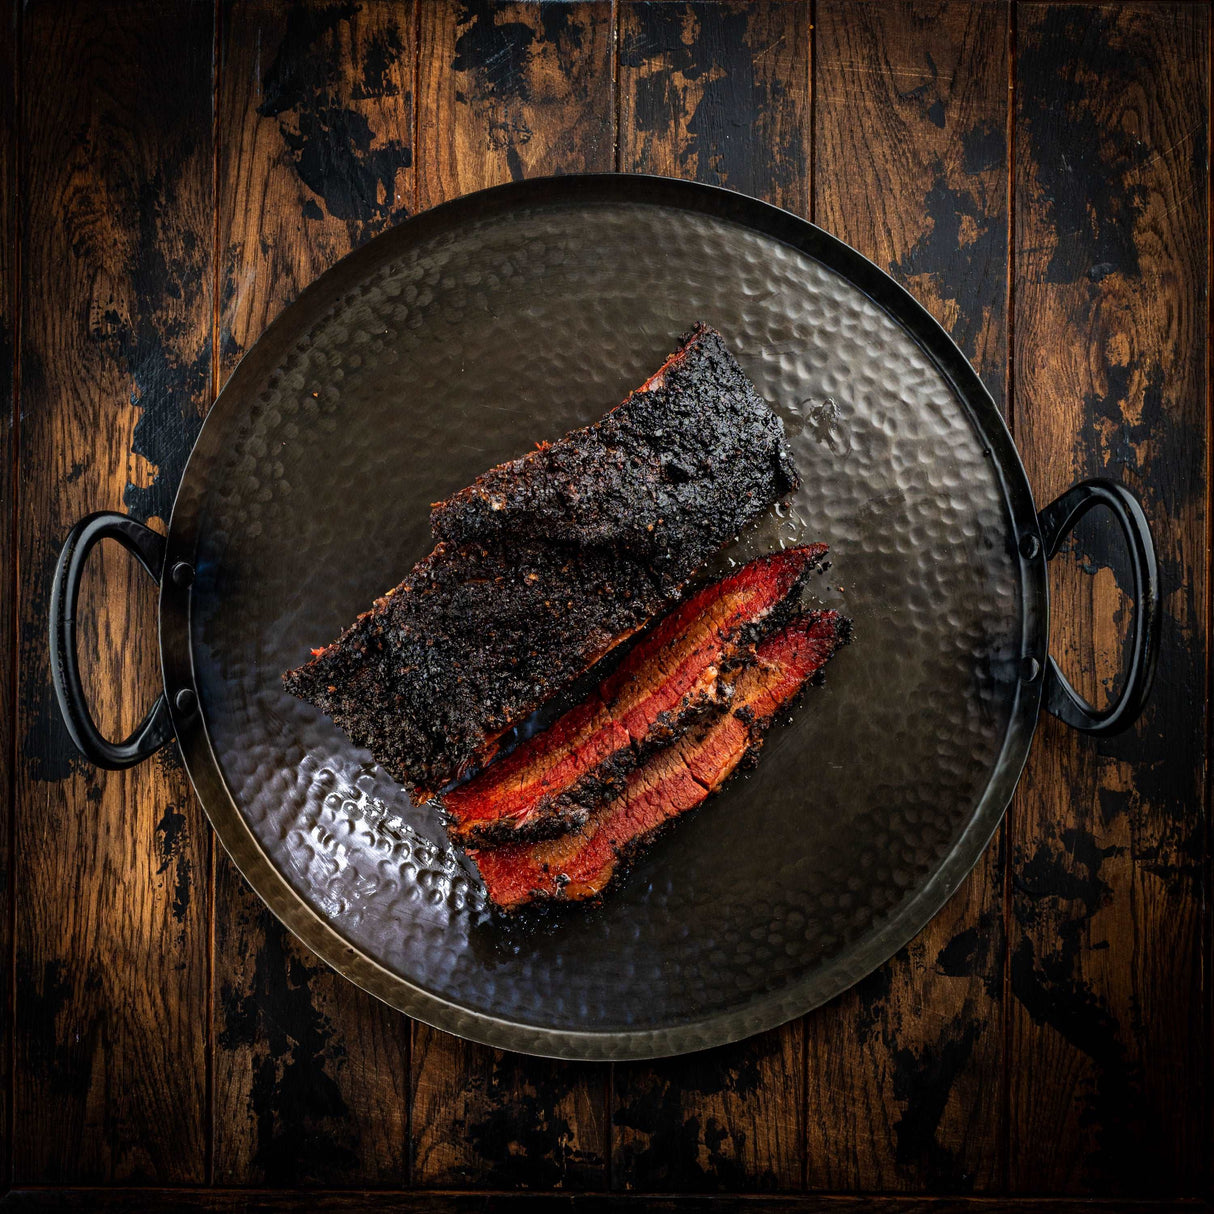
column 459, row 339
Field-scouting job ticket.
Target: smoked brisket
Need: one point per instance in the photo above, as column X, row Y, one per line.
column 471, row 641
column 684, row 667
column 516, row 601
column 582, row 863
column 685, row 462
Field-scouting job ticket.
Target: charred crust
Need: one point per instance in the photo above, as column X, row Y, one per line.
column 695, row 442
column 546, row 563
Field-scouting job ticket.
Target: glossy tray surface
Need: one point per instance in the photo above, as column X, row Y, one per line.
column 462, row 338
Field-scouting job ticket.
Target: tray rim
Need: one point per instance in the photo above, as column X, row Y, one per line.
column 720, row 1028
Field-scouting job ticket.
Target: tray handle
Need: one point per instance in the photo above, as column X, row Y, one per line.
column 156, row 728
column 1057, row 521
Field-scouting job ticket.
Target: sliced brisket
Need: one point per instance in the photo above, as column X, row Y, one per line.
column 681, row 669
column 517, row 600
column 581, row 864
column 685, row 462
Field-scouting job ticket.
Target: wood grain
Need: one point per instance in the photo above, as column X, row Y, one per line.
column 315, row 131
column 128, row 290
column 1108, row 1061
column 10, row 17
column 316, row 147
column 718, row 93
column 508, row 91
column 111, row 923
column 242, row 1201
column 910, row 167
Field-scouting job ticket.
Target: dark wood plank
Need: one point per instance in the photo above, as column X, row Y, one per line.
column 508, row 91
column 315, row 142
column 316, row 147
column 490, row 1119
column 719, row 93
column 1109, row 1058
column 244, row 1201
column 111, row 950
column 9, row 58
column 910, row 167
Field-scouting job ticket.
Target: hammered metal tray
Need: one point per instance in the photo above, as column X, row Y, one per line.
column 459, row 340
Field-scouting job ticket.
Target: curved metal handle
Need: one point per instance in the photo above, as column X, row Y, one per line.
column 1057, row 521
column 156, row 728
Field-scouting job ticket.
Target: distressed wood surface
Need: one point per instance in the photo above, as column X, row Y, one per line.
column 716, row 93
column 508, row 91
column 9, row 295
column 910, row 167
column 1111, row 377
column 315, row 134
column 242, row 1201
column 111, row 919
column 180, row 174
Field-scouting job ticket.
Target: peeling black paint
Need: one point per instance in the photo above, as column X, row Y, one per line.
column 496, row 54
column 330, row 143
column 1085, row 166
column 964, row 248
column 872, row 997
column 1059, row 889
column 728, row 141
column 984, row 148
column 554, row 16
column 976, row 951
column 54, row 1053
column 1070, row 873
column 48, row 750
column 923, row 1081
column 301, row 1123
column 229, row 348
column 922, row 1077
column 172, row 839
column 523, row 1140
column 1166, row 471
column 167, row 387
column 928, row 95
column 383, row 50
column 680, row 1153
column 675, row 1151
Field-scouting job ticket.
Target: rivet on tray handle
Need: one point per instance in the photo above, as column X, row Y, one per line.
column 156, row 728
column 1057, row 521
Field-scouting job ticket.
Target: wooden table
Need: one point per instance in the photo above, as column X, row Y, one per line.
column 173, row 173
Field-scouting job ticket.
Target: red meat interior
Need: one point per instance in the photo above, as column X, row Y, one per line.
column 672, row 672
column 579, row 865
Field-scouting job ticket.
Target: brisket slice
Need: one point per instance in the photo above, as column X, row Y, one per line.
column 470, row 642
column 581, row 864
column 507, row 610
column 685, row 462
column 681, row 669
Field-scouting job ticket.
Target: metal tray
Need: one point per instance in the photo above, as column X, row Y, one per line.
column 458, row 340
